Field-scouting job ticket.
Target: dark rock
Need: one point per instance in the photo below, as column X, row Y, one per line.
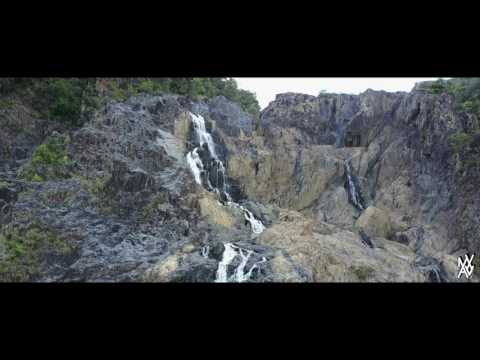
column 196, row 268
column 365, row 238
column 433, row 268
column 8, row 194
column 229, row 117
column 413, row 237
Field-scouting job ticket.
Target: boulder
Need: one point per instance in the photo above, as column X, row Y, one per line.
column 375, row 222
column 8, row 193
column 215, row 212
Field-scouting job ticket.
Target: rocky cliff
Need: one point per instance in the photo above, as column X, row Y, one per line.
column 348, row 188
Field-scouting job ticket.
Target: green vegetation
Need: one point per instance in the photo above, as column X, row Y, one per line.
column 196, row 88
column 102, row 193
column 4, row 184
column 73, row 101
column 96, row 186
column 466, row 92
column 462, row 144
column 459, row 142
column 70, row 101
column 151, row 209
column 22, row 249
column 49, row 161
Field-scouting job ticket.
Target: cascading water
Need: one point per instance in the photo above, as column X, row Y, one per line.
column 196, row 165
column 354, row 193
column 211, row 174
column 255, row 224
column 205, row 251
column 203, row 137
column 214, row 172
column 239, row 275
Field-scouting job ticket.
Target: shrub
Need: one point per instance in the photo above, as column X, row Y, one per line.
column 49, row 161
column 23, row 248
column 65, row 97
column 469, row 154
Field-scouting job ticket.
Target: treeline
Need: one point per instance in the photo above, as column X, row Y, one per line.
column 72, row 100
column 195, row 88
column 466, row 92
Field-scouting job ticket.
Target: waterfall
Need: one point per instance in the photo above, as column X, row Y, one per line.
column 214, row 170
column 205, row 251
column 239, row 275
column 196, row 165
column 354, row 193
column 203, row 137
column 255, row 224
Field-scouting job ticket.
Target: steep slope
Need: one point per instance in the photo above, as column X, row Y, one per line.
column 349, row 188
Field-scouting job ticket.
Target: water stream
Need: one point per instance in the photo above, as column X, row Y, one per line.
column 212, row 175
column 209, row 171
column 353, row 188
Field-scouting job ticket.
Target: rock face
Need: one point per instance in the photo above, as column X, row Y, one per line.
column 375, row 222
column 133, row 210
column 216, row 212
column 397, row 144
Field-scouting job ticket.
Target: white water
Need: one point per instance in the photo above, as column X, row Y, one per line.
column 255, row 224
column 196, row 166
column 202, row 135
column 352, row 188
column 239, row 275
column 205, row 251
column 228, row 255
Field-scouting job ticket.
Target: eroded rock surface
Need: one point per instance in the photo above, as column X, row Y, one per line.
column 134, row 212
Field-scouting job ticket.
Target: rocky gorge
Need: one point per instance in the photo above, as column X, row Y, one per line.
column 165, row 188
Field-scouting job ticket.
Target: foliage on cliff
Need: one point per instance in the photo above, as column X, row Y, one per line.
column 73, row 100
column 466, row 92
column 196, row 88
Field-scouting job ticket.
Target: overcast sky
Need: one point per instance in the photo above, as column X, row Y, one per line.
column 267, row 88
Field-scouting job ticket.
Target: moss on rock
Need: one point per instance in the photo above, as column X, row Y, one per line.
column 23, row 248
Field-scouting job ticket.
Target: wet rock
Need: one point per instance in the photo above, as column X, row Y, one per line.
column 8, row 193
column 432, row 268
column 412, row 237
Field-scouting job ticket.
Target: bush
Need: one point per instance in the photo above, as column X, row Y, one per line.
column 469, row 154
column 21, row 251
column 466, row 92
column 65, row 97
column 49, row 161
